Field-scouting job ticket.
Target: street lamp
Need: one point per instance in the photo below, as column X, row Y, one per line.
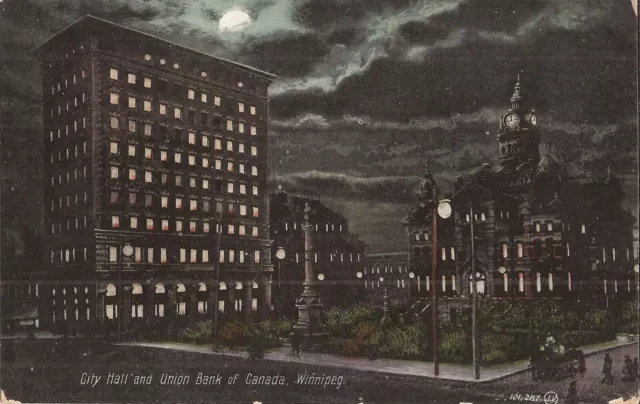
column 280, row 254
column 127, row 251
column 442, row 209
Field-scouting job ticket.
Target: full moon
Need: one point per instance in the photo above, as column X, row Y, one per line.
column 234, row 20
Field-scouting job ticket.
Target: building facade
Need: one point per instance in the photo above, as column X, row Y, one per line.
column 156, row 172
column 388, row 271
column 337, row 254
column 536, row 231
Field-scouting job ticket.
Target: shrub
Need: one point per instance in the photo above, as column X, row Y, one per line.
column 234, row 334
column 455, row 347
column 342, row 323
column 200, row 332
column 499, row 348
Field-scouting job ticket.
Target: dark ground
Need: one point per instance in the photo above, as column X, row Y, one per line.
column 51, row 371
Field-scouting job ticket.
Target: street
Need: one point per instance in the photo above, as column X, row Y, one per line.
column 77, row 371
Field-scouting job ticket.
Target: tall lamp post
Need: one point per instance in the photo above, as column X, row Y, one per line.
column 217, row 269
column 474, row 299
column 442, row 209
column 280, row 255
column 126, row 250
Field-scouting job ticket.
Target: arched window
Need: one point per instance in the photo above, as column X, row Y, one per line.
column 202, row 287
column 136, row 289
column 223, row 286
column 202, row 298
column 137, row 303
column 238, row 285
column 181, row 304
column 159, row 288
column 480, row 281
column 180, row 288
column 255, row 285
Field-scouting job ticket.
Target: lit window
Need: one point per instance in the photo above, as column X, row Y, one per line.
column 537, row 227
column 192, row 227
column 178, row 226
column 221, row 256
column 217, row 144
column 178, row 203
column 114, row 172
column 165, row 225
column 254, row 170
column 254, row 231
column 230, row 187
column 254, row 151
column 192, row 160
column 240, row 127
column 149, row 224
column 191, row 94
column 113, row 147
column 163, row 109
column 113, row 98
column 229, row 124
column 193, row 204
column 192, row 138
column 179, row 180
column 216, row 101
column 230, row 166
column 584, row 229
column 177, row 157
column 205, row 141
column 114, row 122
column 113, row 74
column 132, row 174
column 132, row 150
column 253, row 131
column 231, row 229
column 147, row 82
column 192, row 182
column 520, row 251
column 148, row 177
column 205, row 162
column 240, row 147
column 147, row 107
column 133, row 222
column 163, row 255
column 132, row 102
column 115, row 222
column 505, row 251
column 255, row 190
column 252, row 109
column 549, row 226
column 164, row 202
column 203, row 97
column 205, row 227
column 256, row 213
column 218, row 164
column 205, row 183
column 147, row 153
column 177, row 112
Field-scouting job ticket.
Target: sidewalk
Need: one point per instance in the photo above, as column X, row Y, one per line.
column 452, row 372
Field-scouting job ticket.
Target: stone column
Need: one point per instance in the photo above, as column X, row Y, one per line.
column 99, row 304
column 247, row 301
column 193, row 302
column 126, row 313
column 231, row 311
column 149, row 310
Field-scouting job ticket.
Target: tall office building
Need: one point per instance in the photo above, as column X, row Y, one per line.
column 153, row 152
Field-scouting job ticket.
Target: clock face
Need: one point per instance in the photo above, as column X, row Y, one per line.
column 533, row 119
column 512, row 120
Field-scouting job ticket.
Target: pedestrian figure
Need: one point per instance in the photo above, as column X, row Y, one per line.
column 582, row 365
column 295, row 344
column 606, row 370
column 572, row 394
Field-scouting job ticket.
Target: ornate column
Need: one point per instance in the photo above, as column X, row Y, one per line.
column 247, row 301
column 309, row 329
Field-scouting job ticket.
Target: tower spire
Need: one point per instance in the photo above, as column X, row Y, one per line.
column 517, row 97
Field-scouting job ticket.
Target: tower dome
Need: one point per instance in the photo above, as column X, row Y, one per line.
column 428, row 189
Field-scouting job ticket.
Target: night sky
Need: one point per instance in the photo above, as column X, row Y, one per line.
column 367, row 89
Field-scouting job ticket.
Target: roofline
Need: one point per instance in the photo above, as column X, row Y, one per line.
column 89, row 17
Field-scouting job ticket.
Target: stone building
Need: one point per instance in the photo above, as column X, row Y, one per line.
column 538, row 232
column 337, row 254
column 390, row 271
column 155, row 182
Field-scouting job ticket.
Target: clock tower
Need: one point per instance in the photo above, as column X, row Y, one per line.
column 518, row 135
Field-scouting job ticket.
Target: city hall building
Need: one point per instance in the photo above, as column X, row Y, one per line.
column 536, row 231
column 155, row 182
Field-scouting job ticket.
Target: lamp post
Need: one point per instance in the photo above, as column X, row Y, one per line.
column 474, row 299
column 217, row 283
column 126, row 250
column 442, row 209
column 411, row 276
column 280, row 255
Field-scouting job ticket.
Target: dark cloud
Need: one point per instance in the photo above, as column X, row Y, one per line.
column 285, row 53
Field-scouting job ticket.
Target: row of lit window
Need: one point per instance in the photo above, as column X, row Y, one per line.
column 59, row 227
column 206, row 203
column 191, row 94
column 114, row 122
column 58, row 111
column 67, row 129
column 66, row 156
column 67, row 175
column 373, row 284
column 195, row 255
column 74, row 80
column 387, row 269
column 327, row 226
column 148, row 178
column 177, row 157
column 68, row 200
column 178, row 226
